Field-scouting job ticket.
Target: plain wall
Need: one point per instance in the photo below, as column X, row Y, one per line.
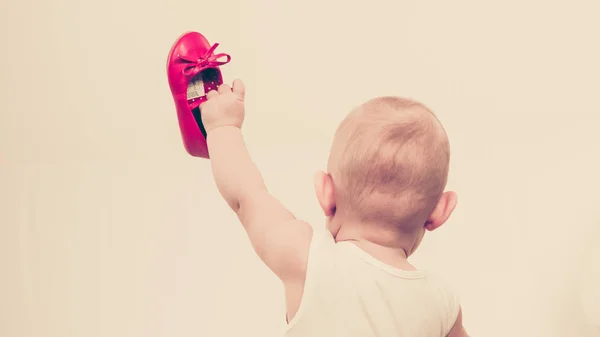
column 108, row 228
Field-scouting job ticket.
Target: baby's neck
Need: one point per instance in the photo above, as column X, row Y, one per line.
column 393, row 253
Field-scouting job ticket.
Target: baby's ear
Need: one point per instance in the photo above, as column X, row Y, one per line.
column 442, row 211
column 325, row 192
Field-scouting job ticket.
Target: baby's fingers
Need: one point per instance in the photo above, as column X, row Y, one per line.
column 212, row 94
column 239, row 89
column 224, row 88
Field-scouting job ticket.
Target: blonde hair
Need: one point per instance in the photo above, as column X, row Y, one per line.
column 389, row 162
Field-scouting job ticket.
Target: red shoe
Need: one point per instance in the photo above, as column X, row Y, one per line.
column 193, row 71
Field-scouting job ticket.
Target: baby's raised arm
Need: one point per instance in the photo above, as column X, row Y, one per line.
column 280, row 240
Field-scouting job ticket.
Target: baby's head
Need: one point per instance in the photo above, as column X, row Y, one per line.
column 387, row 172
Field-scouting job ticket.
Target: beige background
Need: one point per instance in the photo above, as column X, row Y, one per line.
column 108, row 228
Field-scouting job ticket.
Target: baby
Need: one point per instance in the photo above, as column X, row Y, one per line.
column 383, row 189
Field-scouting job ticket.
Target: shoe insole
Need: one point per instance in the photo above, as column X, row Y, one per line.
column 205, row 81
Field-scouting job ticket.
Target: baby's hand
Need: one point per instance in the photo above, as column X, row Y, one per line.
column 225, row 107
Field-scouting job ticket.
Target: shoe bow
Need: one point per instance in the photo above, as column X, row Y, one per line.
column 196, row 63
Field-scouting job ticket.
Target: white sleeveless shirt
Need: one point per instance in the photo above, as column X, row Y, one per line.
column 348, row 293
